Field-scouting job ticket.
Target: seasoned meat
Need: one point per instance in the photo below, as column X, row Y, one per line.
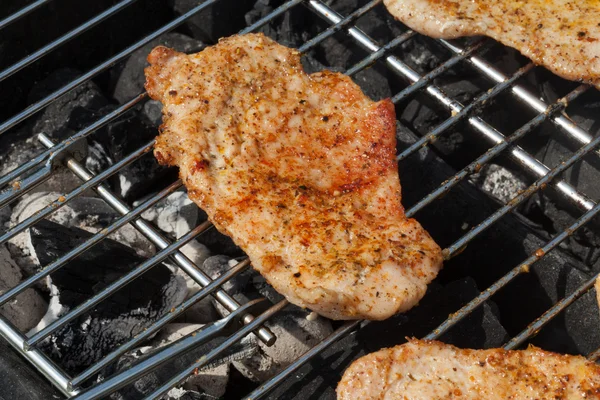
column 299, row 170
column 428, row 370
column 561, row 35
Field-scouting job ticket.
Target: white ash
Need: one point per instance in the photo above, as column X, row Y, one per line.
column 210, row 381
column 27, row 308
column 499, row 182
column 55, row 309
column 203, row 311
column 213, row 380
column 125, row 185
column 295, row 336
column 96, row 153
column 175, row 215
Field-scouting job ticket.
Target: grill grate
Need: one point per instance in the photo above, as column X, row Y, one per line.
column 40, row 168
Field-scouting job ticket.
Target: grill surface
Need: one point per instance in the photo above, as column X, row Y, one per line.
column 40, row 168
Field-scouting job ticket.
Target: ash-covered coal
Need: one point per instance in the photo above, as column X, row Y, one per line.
column 296, row 333
column 88, row 213
column 27, row 308
column 208, row 383
column 118, row 318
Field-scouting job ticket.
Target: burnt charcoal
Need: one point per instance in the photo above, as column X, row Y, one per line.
column 57, row 119
column 551, row 146
column 119, row 139
column 130, row 78
column 289, row 30
column 26, row 309
column 154, row 379
column 262, row 286
column 318, row 378
column 576, row 330
column 217, row 21
column 215, row 266
column 20, row 380
column 295, row 336
column 118, row 318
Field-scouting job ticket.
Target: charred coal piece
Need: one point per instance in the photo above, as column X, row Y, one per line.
column 118, row 318
column 196, row 386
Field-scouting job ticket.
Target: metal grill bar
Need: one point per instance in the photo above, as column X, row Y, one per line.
column 218, row 350
column 61, row 201
column 54, row 374
column 303, row 359
column 34, row 108
column 64, row 39
column 519, row 269
column 22, row 12
column 497, row 149
column 98, row 237
column 511, row 205
column 15, row 173
column 465, row 112
column 146, row 334
column 11, row 293
column 338, row 26
column 20, row 188
column 518, row 154
column 426, row 79
column 376, row 55
column 484, row 159
column 121, row 282
column 575, row 132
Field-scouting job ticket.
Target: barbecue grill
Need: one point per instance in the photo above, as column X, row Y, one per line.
column 415, row 80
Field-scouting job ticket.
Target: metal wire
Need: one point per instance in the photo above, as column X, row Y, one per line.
column 573, row 130
column 147, row 333
column 102, row 122
column 205, row 359
column 64, row 39
column 338, row 26
column 22, row 12
column 465, row 112
column 34, row 108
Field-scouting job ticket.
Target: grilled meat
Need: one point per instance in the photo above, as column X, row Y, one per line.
column 427, row 370
column 299, row 170
column 561, row 35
